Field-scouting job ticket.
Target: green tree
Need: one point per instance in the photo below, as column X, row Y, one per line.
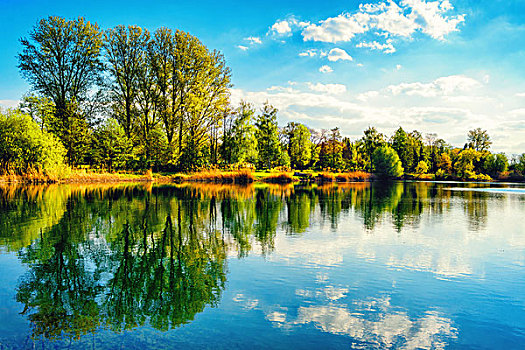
column 479, row 140
column 299, row 145
column 386, row 162
column 422, row 167
column 25, row 148
column 125, row 51
column 61, row 60
column 267, row 133
column 111, row 147
column 371, row 141
column 239, row 143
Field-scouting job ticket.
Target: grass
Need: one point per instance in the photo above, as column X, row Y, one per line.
column 224, row 177
column 279, row 178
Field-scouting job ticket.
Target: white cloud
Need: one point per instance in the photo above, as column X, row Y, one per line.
column 281, row 27
column 327, row 88
column 9, row 103
column 431, row 16
column 242, row 47
column 374, row 45
column 326, row 69
column 253, row 40
column 341, row 28
column 443, row 86
column 339, row 54
column 385, row 19
column 392, row 21
column 308, row 53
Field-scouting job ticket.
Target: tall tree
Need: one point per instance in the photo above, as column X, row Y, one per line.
column 125, row 50
column 479, row 140
column 267, row 134
column 299, row 145
column 61, row 60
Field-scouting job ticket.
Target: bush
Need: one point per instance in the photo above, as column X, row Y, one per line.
column 25, row 149
column 386, row 162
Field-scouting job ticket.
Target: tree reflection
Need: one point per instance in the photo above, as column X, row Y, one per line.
column 81, row 280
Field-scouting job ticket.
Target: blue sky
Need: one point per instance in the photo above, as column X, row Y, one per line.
column 436, row 66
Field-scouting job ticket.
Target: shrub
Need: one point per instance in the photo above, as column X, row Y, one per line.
column 25, row 149
column 386, row 162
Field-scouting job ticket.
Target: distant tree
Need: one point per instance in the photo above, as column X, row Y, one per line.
column 445, row 163
column 422, row 167
column 299, row 145
column 386, row 162
column 267, row 133
column 111, row 146
column 479, row 140
column 331, row 154
column 371, row 141
column 239, row 143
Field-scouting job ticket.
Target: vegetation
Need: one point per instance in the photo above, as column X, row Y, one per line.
column 125, row 99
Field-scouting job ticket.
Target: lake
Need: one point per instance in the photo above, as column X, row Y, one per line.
column 412, row 265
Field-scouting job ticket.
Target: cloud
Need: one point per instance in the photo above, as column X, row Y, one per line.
column 339, row 54
column 386, row 20
column 9, row 103
column 308, row 53
column 443, row 86
column 326, row 69
column 387, row 47
column 253, row 40
column 341, row 28
column 431, row 16
column 281, row 27
column 242, row 47
column 328, row 88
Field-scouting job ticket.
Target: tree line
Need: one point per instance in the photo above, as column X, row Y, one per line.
column 128, row 98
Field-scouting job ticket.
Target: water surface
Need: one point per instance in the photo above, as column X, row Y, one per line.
column 397, row 265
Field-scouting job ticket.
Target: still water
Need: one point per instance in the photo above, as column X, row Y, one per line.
column 386, row 266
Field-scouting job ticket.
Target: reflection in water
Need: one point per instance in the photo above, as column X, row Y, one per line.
column 121, row 257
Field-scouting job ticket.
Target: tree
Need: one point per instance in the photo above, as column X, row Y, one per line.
column 239, row 143
column 111, row 147
column 125, row 50
column 372, row 140
column 25, row 148
column 479, row 140
column 267, row 134
column 386, row 162
column 445, row 163
column 61, row 60
column 41, row 109
column 422, row 167
column 331, row 154
column 202, row 81
column 299, row 145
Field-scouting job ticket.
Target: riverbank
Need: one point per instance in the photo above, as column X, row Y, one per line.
column 233, row 177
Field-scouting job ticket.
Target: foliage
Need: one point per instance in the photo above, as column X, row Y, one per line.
column 299, row 145
column 25, row 147
column 61, row 60
column 267, row 134
column 479, row 140
column 422, row 167
column 111, row 147
column 386, row 162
